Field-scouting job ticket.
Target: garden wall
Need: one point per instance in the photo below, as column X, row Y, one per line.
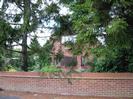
column 84, row 84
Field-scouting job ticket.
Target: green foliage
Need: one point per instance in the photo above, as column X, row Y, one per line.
column 50, row 69
column 63, row 27
column 9, row 68
column 52, row 8
column 130, row 60
column 45, row 55
column 115, row 60
column 5, row 31
column 95, row 15
column 35, row 46
column 117, row 30
column 111, row 20
column 17, row 18
column 66, row 1
column 39, row 56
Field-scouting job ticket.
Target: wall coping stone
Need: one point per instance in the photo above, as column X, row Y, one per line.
column 119, row 76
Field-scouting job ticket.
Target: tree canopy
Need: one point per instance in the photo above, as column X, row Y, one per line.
column 111, row 21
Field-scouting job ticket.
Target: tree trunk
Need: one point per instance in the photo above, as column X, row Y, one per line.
column 25, row 28
column 24, row 53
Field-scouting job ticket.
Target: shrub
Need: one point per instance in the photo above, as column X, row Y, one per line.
column 51, row 69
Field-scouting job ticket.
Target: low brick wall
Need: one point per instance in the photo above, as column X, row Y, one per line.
column 84, row 84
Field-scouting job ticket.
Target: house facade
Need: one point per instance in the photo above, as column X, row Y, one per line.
column 67, row 58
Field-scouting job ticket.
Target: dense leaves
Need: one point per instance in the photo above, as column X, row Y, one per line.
column 110, row 20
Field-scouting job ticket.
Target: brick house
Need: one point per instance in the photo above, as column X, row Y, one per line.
column 68, row 57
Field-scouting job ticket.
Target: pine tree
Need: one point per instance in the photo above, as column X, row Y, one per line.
column 110, row 20
column 32, row 14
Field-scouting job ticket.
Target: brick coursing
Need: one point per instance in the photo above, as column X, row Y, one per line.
column 84, row 84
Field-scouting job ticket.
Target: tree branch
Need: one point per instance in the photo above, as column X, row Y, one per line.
column 13, row 50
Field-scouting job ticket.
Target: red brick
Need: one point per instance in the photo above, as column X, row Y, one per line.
column 84, row 84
